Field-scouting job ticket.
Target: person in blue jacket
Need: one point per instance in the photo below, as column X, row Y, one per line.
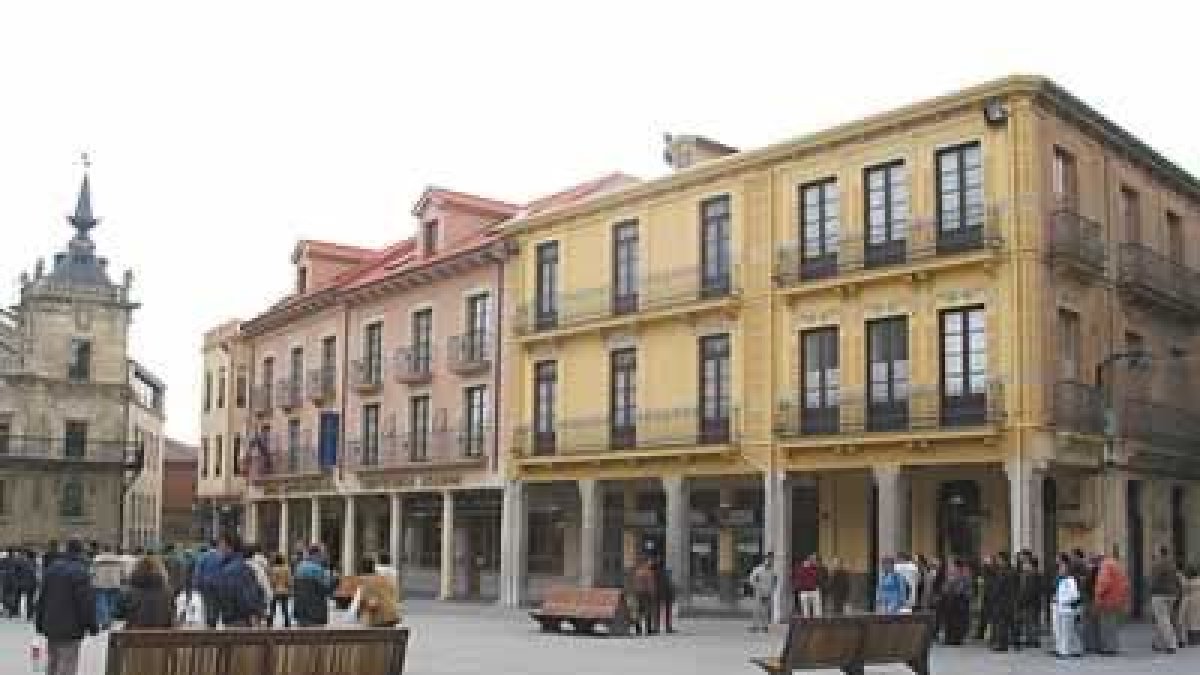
column 208, row 563
column 892, row 594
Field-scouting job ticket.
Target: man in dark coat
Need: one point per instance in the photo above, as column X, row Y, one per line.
column 666, row 594
column 25, row 582
column 66, row 609
column 312, row 586
column 240, row 599
column 1004, row 603
column 8, row 586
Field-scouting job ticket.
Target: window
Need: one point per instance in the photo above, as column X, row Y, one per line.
column 295, row 441
column 208, row 390
column 370, row 434
column 237, row 454
column 547, row 285
column 268, row 379
column 715, row 275
column 887, row 367
column 418, row 428
column 221, row 384
column 714, row 388
column 3, row 498
column 477, row 327
column 373, row 348
column 301, row 280
column 1174, row 237
column 475, row 429
column 1137, row 383
column 240, row 394
column 422, row 340
column 887, row 213
column 964, row 366
column 79, row 368
column 1068, row 345
column 328, row 373
column 622, row 397
column 1065, row 179
column 429, row 236
column 71, row 505
column 961, row 210
column 820, row 380
column 1131, row 216
column 204, row 458
column 5, row 436
column 545, row 394
column 297, row 366
column 75, row 439
column 219, row 456
column 820, row 228
column 625, row 267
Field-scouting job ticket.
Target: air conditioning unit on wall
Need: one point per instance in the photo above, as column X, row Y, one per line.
column 1076, row 502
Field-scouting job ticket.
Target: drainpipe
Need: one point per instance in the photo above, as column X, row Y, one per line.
column 498, row 361
column 345, row 377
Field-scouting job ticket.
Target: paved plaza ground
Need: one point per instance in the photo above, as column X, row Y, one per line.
column 461, row 639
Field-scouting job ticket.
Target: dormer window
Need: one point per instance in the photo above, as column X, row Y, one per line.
column 429, row 236
column 301, row 279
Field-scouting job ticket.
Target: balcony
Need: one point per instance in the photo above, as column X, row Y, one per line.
column 9, row 363
column 407, row 450
column 1156, row 279
column 1077, row 242
column 470, row 353
column 322, row 384
column 91, row 453
column 367, row 375
column 658, row 291
column 291, row 393
column 414, row 365
column 1160, row 424
column 1078, row 408
column 262, row 399
column 650, row 430
column 856, row 258
column 921, row 411
column 273, row 459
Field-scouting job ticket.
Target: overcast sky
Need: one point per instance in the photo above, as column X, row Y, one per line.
column 223, row 131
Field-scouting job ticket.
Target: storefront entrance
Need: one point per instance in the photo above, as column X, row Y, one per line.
column 959, row 515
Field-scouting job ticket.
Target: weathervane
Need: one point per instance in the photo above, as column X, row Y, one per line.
column 85, row 160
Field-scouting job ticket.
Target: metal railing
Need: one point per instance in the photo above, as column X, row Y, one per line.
column 1158, row 278
column 924, row 242
column 1078, row 407
column 1077, row 240
column 406, row 448
column 291, row 393
column 9, row 363
column 920, row 410
column 470, row 352
column 44, row 448
column 322, row 383
column 273, row 457
column 1160, row 424
column 262, row 398
column 650, row 429
column 414, row 364
column 367, row 374
column 655, row 291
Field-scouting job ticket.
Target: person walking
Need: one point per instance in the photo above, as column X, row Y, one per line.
column 1189, row 608
column 208, row 564
column 1164, row 590
column 647, row 595
column 7, row 583
column 151, row 604
column 666, row 595
column 835, row 596
column 261, row 568
column 956, row 599
column 281, row 590
column 891, row 594
column 66, row 610
column 906, row 568
column 1004, row 605
column 806, row 587
column 25, row 582
column 1029, row 600
column 377, row 600
column 1066, row 611
column 985, row 583
column 173, row 565
column 762, row 581
column 108, row 574
column 312, row 586
column 240, row 599
column 1110, row 603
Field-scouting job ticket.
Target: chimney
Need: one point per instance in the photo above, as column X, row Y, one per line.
column 682, row 151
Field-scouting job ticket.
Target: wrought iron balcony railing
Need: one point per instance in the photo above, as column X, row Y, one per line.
column 408, row 449
column 854, row 254
column 322, row 384
column 649, row 429
column 655, row 291
column 414, row 364
column 1160, row 424
column 1077, row 240
column 920, row 410
column 9, row 363
column 262, row 398
column 1157, row 278
column 291, row 393
column 67, row 450
column 1078, row 407
column 273, row 457
column 470, row 353
column 367, row 374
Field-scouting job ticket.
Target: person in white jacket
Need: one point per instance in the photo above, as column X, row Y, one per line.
column 258, row 562
column 1066, row 612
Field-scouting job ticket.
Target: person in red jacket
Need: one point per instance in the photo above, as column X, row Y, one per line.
column 807, row 579
column 1111, row 602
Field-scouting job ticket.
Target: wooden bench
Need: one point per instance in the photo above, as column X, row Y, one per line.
column 853, row 641
column 258, row 651
column 583, row 609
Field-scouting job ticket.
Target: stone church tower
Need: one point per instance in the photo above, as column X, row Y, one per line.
column 66, row 456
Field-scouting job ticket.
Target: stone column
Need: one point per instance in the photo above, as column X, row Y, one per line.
column 779, row 522
column 314, row 521
column 395, row 529
column 250, row 526
column 726, row 555
column 349, row 547
column 285, row 544
column 678, row 536
column 589, row 532
column 892, row 513
column 1024, row 505
column 446, row 586
column 514, row 523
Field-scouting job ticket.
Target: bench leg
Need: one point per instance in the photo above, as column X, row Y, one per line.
column 920, row 666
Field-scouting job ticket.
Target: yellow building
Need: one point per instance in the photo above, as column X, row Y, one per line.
column 880, row 338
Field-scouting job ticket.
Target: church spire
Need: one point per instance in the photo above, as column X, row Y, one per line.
column 83, row 221
column 79, row 264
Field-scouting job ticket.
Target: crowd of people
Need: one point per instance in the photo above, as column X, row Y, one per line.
column 1007, row 602
column 79, row 590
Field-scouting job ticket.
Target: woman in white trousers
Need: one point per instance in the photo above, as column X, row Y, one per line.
column 1065, row 610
